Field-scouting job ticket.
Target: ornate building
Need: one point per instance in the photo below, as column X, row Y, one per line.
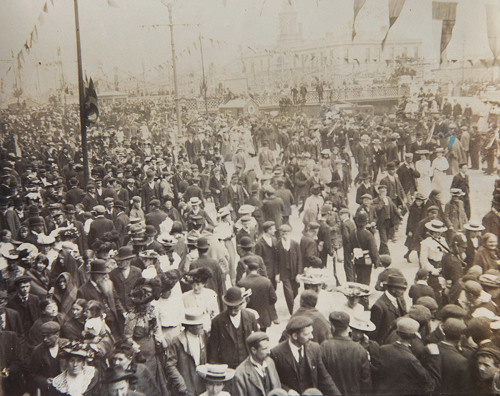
column 293, row 60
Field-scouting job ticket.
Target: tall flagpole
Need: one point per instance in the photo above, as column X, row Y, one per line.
column 81, row 91
column 203, row 74
column 176, row 90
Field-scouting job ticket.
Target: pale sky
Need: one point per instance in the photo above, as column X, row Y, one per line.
column 113, row 37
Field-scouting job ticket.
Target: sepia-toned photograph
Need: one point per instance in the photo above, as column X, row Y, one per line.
column 249, row 197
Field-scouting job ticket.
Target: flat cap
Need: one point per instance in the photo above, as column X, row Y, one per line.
column 492, row 351
column 99, row 209
column 297, row 323
column 420, row 313
column 452, row 311
column 454, row 327
column 407, row 325
column 428, row 302
column 268, row 224
column 256, row 337
column 340, row 319
column 50, row 328
column 473, row 288
column 285, row 228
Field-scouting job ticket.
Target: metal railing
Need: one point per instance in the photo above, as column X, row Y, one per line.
column 329, row 96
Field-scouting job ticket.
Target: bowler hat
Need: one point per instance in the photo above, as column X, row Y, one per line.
column 233, row 297
column 202, row 243
column 124, row 253
column 396, row 281
column 98, row 267
column 119, row 204
column 246, row 242
column 35, row 221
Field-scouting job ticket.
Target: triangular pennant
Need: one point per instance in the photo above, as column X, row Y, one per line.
column 395, row 7
column 35, row 33
column 358, row 5
column 45, row 8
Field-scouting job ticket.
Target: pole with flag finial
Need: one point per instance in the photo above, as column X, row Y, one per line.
column 81, row 91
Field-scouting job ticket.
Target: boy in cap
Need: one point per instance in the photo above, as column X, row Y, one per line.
column 257, row 374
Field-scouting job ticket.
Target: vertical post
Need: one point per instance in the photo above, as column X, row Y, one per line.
column 81, row 91
column 177, row 107
column 203, row 74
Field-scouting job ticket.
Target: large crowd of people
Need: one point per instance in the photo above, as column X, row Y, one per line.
column 162, row 274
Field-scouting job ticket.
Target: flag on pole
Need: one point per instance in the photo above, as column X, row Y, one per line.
column 358, row 5
column 493, row 24
column 91, row 109
column 446, row 12
column 45, row 8
column 395, row 7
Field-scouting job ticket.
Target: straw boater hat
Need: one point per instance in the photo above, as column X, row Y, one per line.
column 436, row 226
column 193, row 317
column 474, row 227
column 354, row 289
column 215, row 372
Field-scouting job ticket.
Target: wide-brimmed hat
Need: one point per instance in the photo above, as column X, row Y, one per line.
column 167, row 239
column 354, row 289
column 98, row 267
column 439, row 150
column 148, row 254
column 361, row 321
column 192, row 316
column 474, row 227
column 436, row 226
column 77, row 349
column 45, row 239
column 313, row 276
column 233, row 297
column 215, row 372
column 117, row 374
column 420, row 196
column 246, row 242
column 422, row 152
column 456, row 192
column 246, row 209
column 396, row 281
column 124, row 253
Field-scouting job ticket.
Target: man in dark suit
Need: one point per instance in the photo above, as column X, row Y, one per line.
column 99, row 226
column 272, row 207
column 400, row 372
column 90, row 198
column 125, row 276
column 346, row 361
column 395, row 190
column 26, row 304
column 229, row 331
column 75, row 194
column 46, row 357
column 298, row 360
column 347, row 229
column 363, row 250
column 101, row 288
column 263, row 295
column 266, row 248
column 121, row 222
column 289, row 265
column 455, row 367
column 233, row 195
column 10, row 320
column 308, row 302
column 408, row 176
column 388, row 216
column 309, row 246
column 156, row 216
column 461, row 181
column 150, row 190
column 256, row 375
column 388, row 308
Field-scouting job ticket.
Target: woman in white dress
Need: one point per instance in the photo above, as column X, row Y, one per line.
column 439, row 167
column 423, row 166
column 201, row 297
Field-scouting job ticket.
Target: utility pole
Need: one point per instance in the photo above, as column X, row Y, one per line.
column 81, row 91
column 204, row 84
column 176, row 90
